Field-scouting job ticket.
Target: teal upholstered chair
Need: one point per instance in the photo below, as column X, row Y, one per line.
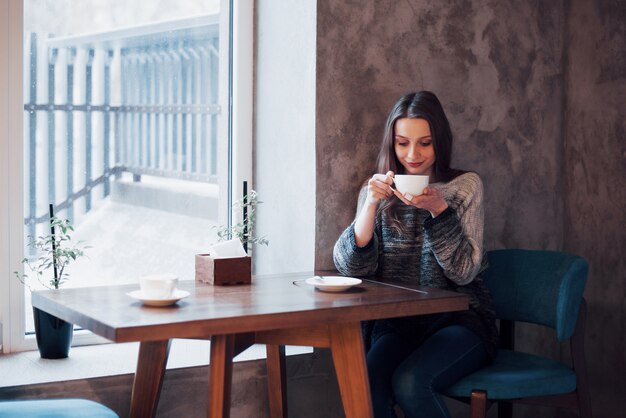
column 55, row 408
column 538, row 287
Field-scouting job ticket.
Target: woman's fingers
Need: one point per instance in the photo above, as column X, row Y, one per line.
column 384, row 178
column 430, row 200
column 379, row 187
column 419, row 201
column 406, row 199
column 382, row 182
column 430, row 191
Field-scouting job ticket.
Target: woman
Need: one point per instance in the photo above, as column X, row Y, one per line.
column 434, row 239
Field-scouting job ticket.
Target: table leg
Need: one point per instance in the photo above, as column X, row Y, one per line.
column 149, row 378
column 221, row 375
column 348, row 353
column 276, row 380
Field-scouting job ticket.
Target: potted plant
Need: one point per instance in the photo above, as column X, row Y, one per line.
column 233, row 270
column 53, row 251
column 244, row 230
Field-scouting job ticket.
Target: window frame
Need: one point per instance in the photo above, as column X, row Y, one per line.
column 237, row 43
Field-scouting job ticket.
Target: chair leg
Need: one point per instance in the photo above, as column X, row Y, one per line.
column 478, row 404
column 584, row 405
column 577, row 345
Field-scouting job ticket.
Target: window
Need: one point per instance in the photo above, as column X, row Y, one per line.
column 134, row 121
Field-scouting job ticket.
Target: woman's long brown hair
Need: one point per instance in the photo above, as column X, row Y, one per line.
column 422, row 105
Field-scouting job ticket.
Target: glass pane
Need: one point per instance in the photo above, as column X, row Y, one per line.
column 121, row 133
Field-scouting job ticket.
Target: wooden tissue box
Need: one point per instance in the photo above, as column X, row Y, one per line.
column 223, row 271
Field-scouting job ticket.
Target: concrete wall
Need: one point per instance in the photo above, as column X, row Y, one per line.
column 535, row 95
column 284, row 135
column 595, row 153
column 496, row 67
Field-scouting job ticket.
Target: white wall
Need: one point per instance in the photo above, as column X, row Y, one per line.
column 284, row 135
column 4, row 162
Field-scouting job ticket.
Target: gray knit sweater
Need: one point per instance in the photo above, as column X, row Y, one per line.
column 444, row 252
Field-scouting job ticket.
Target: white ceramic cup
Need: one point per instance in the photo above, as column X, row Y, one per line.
column 410, row 183
column 158, row 286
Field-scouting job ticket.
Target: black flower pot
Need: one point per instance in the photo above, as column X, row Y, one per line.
column 54, row 336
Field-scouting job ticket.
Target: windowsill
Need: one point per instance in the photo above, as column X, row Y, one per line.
column 28, row 368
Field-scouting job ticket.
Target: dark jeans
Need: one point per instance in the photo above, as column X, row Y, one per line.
column 411, row 377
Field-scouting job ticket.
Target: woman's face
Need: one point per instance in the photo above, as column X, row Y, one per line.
column 413, row 145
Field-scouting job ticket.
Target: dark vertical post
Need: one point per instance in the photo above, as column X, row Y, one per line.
column 245, row 215
column 54, row 241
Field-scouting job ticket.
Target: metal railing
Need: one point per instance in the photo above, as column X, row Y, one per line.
column 142, row 100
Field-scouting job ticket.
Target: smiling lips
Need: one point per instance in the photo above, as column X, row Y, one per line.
column 415, row 164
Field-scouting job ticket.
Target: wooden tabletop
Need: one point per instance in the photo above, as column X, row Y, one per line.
column 274, row 311
column 268, row 303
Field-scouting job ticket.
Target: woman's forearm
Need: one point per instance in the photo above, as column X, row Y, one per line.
column 364, row 224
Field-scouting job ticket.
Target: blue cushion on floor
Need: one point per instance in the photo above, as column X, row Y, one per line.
column 55, row 408
column 514, row 374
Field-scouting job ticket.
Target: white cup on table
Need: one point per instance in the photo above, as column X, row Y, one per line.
column 158, row 286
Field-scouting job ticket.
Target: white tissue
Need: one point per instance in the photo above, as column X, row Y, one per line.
column 228, row 249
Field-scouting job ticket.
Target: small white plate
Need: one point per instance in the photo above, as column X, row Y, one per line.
column 333, row 283
column 178, row 295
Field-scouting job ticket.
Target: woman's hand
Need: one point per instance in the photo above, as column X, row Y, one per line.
column 379, row 187
column 430, row 200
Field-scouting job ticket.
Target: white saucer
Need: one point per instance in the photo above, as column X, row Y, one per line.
column 178, row 295
column 333, row 283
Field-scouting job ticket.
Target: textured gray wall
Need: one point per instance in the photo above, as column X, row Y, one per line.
column 535, row 93
column 496, row 67
column 595, row 149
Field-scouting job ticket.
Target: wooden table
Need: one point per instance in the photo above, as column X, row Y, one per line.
column 275, row 311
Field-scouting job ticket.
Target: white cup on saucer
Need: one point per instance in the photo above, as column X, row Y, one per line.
column 158, row 286
column 413, row 184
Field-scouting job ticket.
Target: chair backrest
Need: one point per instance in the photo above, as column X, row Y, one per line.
column 540, row 287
